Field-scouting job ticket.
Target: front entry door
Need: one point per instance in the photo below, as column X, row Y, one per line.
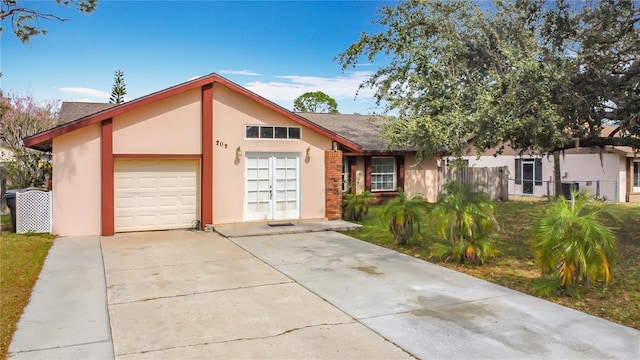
column 272, row 186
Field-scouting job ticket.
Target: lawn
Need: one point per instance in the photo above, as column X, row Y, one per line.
column 21, row 259
column 515, row 268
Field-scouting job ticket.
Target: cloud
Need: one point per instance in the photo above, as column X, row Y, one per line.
column 292, row 86
column 93, row 94
column 194, row 77
column 239, row 72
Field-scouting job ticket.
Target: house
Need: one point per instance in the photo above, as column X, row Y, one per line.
column 612, row 173
column 204, row 152
column 376, row 167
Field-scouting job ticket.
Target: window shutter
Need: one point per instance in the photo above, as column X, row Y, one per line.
column 538, row 171
column 400, row 172
column 367, row 173
column 518, row 172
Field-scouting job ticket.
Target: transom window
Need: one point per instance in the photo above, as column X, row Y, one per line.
column 383, row 173
column 636, row 176
column 271, row 132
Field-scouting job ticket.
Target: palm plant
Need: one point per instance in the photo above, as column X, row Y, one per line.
column 570, row 242
column 404, row 213
column 465, row 218
column 355, row 206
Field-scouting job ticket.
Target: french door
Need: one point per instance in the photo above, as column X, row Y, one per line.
column 272, row 186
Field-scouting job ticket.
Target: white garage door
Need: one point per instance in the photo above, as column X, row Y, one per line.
column 155, row 194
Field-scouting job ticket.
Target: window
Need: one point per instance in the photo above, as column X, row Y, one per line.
column 636, row 176
column 383, row 173
column 528, row 173
column 271, row 132
column 345, row 174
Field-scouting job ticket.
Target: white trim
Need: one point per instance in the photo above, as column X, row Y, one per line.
column 395, row 173
column 635, row 178
column 271, row 213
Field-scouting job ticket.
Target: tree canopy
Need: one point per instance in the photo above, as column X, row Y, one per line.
column 540, row 75
column 22, row 116
column 317, row 101
column 24, row 20
column 119, row 89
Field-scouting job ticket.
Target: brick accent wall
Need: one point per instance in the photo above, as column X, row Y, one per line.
column 333, row 184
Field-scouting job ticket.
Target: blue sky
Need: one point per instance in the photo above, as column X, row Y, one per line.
column 277, row 49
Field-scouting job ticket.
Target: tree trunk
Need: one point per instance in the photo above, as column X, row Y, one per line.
column 557, row 176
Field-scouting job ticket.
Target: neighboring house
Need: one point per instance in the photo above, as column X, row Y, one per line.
column 207, row 151
column 612, row 172
column 375, row 167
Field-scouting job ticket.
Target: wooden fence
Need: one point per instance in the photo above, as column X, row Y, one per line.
column 492, row 180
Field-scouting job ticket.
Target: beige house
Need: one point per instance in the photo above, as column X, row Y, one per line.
column 376, row 167
column 206, row 152
column 612, row 172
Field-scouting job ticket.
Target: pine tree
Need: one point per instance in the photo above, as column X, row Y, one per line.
column 118, row 91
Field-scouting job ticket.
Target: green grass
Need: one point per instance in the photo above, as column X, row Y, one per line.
column 21, row 259
column 515, row 267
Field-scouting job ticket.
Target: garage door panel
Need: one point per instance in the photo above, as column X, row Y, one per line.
column 155, row 194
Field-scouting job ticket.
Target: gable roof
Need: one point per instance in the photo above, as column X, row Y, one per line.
column 70, row 111
column 43, row 140
column 362, row 129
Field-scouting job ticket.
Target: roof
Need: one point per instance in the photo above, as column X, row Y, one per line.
column 43, row 140
column 364, row 130
column 75, row 110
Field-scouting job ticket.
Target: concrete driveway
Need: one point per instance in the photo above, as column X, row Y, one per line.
column 182, row 294
column 197, row 295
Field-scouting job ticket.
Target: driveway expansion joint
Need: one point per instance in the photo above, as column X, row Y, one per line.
column 201, row 293
column 60, row 347
column 288, row 331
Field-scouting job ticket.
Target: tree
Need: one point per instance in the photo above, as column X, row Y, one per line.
column 465, row 218
column 24, row 21
column 119, row 90
column 317, row 102
column 21, row 117
column 541, row 76
column 571, row 243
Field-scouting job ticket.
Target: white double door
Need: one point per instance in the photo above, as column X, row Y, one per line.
column 272, row 183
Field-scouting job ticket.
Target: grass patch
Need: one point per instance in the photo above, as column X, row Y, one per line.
column 515, row 267
column 21, row 259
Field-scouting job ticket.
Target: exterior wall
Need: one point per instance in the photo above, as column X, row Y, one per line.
column 421, row 178
column 76, row 182
column 169, row 126
column 231, row 112
column 584, row 168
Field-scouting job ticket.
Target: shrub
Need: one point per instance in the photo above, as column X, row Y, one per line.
column 355, row 206
column 404, row 213
column 570, row 242
column 465, row 218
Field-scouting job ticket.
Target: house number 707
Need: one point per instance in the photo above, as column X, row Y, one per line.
column 221, row 144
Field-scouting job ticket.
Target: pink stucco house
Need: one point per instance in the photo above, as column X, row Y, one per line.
column 206, row 152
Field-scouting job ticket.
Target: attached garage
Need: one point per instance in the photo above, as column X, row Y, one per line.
column 155, row 194
column 189, row 153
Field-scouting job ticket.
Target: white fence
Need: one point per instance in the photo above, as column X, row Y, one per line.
column 607, row 190
column 34, row 212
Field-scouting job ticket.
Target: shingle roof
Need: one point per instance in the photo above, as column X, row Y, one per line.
column 75, row 110
column 364, row 130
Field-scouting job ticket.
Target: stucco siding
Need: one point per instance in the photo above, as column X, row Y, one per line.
column 169, row 126
column 421, row 177
column 76, row 182
column 231, row 113
column 585, row 168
